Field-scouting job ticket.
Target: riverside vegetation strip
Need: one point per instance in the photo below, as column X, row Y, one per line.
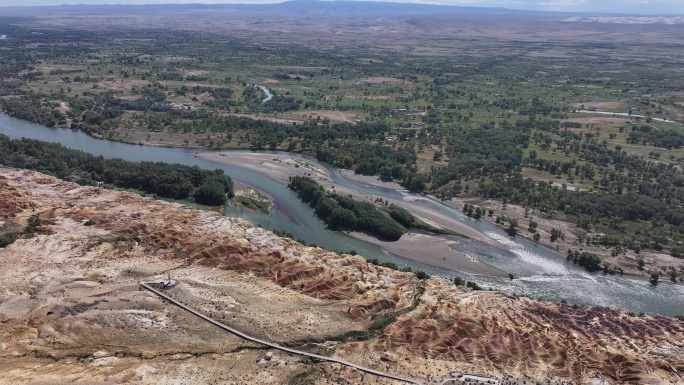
column 624, row 293
column 175, row 181
column 345, row 212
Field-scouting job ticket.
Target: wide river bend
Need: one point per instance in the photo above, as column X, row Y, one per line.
column 542, row 273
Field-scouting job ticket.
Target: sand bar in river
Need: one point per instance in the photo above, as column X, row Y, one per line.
column 429, row 249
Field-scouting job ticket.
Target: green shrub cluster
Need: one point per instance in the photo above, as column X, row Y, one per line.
column 402, row 216
column 339, row 211
column 590, row 261
column 391, row 265
column 7, row 239
column 175, row 181
column 458, row 281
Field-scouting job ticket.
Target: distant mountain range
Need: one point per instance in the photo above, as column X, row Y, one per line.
column 363, row 9
column 629, row 20
column 314, row 6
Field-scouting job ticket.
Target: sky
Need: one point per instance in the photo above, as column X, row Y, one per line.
column 645, row 7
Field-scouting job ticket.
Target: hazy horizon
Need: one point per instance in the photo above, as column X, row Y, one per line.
column 643, row 7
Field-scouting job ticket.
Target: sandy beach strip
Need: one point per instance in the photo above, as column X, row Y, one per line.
column 276, row 166
column 370, row 180
column 431, row 250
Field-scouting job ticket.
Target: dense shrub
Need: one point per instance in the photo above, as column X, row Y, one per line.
column 339, row 211
column 167, row 180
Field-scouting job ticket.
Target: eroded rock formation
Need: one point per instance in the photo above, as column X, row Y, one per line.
column 70, row 307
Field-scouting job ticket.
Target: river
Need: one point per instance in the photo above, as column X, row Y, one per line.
column 267, row 92
column 542, row 273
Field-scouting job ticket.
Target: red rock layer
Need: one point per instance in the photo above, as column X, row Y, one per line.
column 13, row 200
column 518, row 336
column 479, row 331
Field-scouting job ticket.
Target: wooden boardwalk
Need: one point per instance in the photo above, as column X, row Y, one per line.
column 279, row 347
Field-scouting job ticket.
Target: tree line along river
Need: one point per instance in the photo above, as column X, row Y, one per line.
column 540, row 273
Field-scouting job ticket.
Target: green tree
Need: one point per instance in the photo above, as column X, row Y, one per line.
column 555, row 234
column 512, row 227
column 422, row 275
column 401, row 215
column 641, row 263
column 341, row 218
column 211, row 193
column 655, row 277
column 416, row 183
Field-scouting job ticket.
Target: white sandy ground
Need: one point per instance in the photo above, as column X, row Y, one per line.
column 429, row 249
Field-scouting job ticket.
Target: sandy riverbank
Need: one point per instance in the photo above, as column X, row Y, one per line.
column 276, row 166
column 280, row 167
column 430, row 249
column 370, row 180
column 627, row 259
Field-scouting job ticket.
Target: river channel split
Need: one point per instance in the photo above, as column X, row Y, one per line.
column 540, row 273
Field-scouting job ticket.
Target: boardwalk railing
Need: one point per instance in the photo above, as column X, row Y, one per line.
column 276, row 346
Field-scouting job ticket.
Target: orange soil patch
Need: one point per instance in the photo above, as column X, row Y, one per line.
column 522, row 331
column 12, row 199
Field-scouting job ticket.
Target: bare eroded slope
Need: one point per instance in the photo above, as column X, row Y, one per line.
column 71, row 309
